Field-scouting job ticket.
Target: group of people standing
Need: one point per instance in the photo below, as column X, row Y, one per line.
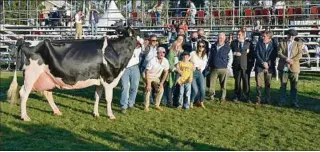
column 176, row 75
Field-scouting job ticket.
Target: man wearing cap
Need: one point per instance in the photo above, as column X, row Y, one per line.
column 290, row 52
column 157, row 67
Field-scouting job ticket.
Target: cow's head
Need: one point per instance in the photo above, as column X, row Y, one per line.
column 135, row 33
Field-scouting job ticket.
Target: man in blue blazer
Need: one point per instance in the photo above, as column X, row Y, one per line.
column 266, row 53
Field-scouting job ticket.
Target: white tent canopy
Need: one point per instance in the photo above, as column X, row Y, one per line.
column 110, row 16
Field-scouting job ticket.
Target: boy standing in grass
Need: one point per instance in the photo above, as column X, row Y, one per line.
column 185, row 70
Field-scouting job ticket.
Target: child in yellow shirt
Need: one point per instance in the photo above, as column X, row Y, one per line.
column 185, row 70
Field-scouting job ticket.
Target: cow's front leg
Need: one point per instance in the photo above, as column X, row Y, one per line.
column 55, row 109
column 97, row 96
column 109, row 94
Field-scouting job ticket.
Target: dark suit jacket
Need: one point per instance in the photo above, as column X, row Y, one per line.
column 188, row 46
column 240, row 62
column 264, row 54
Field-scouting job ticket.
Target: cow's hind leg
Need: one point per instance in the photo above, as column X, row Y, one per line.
column 24, row 93
column 55, row 109
column 32, row 73
column 97, row 96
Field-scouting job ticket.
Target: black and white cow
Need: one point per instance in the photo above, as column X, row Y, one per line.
column 75, row 64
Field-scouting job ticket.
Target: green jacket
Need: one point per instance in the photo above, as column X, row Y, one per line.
column 172, row 75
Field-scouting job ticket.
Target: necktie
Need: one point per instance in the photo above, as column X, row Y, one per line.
column 241, row 46
column 193, row 46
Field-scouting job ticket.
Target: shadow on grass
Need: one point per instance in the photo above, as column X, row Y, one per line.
column 149, row 143
column 308, row 100
column 44, row 137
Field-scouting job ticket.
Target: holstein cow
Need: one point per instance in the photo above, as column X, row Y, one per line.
column 75, row 64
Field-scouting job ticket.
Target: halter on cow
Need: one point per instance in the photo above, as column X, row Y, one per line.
column 75, row 64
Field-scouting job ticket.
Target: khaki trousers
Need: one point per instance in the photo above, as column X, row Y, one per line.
column 155, row 86
column 263, row 78
column 78, row 31
column 222, row 74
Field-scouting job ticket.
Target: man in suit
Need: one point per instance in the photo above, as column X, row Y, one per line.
column 290, row 53
column 191, row 45
column 240, row 48
column 266, row 53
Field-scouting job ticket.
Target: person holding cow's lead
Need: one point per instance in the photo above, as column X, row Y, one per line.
column 130, row 81
column 157, row 67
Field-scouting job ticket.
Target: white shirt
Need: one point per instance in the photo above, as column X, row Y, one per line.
column 305, row 49
column 92, row 16
column 197, row 61
column 318, row 51
column 193, row 8
column 78, row 19
column 155, row 68
column 289, row 48
column 135, row 57
column 151, row 54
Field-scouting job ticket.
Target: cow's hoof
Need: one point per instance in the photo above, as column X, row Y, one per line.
column 96, row 115
column 112, row 117
column 57, row 113
column 26, row 118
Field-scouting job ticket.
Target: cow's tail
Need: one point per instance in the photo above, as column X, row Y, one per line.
column 13, row 91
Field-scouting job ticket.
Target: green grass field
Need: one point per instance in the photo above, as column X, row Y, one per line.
column 228, row 126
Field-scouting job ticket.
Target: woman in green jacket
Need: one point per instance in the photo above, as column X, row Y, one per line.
column 173, row 57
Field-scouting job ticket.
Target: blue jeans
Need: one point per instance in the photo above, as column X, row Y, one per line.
column 184, row 95
column 130, row 77
column 198, row 87
column 93, row 28
column 158, row 18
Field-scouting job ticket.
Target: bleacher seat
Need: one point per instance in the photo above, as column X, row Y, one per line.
column 298, row 13
column 134, row 15
column 228, row 15
column 265, row 13
column 290, row 13
column 216, row 15
column 280, row 14
column 257, row 13
column 236, row 14
column 248, row 15
column 200, row 16
column 314, row 12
